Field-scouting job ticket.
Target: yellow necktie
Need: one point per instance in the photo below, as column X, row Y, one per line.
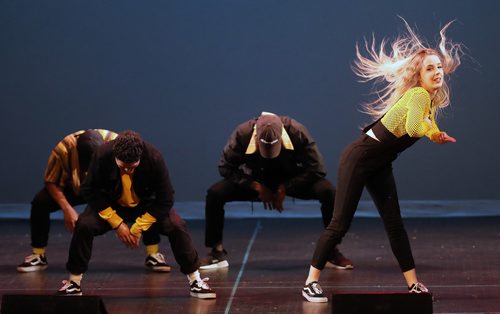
column 128, row 198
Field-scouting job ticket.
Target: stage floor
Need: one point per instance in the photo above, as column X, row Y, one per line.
column 457, row 258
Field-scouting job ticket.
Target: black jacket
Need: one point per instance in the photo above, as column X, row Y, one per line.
column 102, row 187
column 298, row 167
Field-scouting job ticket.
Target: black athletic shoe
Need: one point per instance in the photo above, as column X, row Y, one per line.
column 69, row 288
column 156, row 262
column 418, row 288
column 313, row 292
column 339, row 261
column 34, row 262
column 214, row 259
column 201, row 289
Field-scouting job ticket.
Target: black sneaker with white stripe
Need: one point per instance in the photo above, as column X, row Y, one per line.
column 313, row 292
column 200, row 289
column 339, row 261
column 156, row 262
column 69, row 288
column 215, row 259
column 33, row 262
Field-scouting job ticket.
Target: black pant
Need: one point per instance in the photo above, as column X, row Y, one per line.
column 43, row 204
column 366, row 162
column 89, row 225
column 226, row 191
column 41, row 207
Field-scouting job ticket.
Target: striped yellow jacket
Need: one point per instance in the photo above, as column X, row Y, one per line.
column 63, row 166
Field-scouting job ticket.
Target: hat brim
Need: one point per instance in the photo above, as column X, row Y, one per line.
column 270, row 151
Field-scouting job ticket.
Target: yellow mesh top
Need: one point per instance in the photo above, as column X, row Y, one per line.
column 410, row 115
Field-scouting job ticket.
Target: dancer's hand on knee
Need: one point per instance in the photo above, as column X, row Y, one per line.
column 70, row 218
column 123, row 233
column 264, row 194
column 279, row 197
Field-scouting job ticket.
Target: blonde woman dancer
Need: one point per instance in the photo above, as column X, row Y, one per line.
column 413, row 90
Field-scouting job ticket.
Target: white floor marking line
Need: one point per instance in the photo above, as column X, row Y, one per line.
column 245, row 259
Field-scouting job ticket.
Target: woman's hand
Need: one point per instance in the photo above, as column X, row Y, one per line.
column 442, row 138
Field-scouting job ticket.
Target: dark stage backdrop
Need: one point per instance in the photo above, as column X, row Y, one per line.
column 185, row 73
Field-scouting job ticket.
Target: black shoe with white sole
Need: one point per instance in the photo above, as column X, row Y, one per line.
column 69, row 288
column 312, row 292
column 34, row 262
column 200, row 289
column 156, row 263
column 215, row 259
column 339, row 261
column 418, row 287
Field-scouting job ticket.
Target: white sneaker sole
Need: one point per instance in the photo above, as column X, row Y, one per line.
column 314, row 300
column 222, row 264
column 203, row 295
column 334, row 266
column 159, row 269
column 31, row 268
column 71, row 295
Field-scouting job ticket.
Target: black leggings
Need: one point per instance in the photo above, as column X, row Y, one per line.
column 366, row 162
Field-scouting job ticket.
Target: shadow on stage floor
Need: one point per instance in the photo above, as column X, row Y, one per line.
column 457, row 258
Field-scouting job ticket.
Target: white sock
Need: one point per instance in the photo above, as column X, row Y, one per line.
column 309, row 280
column 194, row 276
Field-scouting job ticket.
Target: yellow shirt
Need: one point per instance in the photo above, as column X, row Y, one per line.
column 128, row 199
column 409, row 115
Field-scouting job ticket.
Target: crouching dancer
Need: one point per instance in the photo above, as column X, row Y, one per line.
column 128, row 182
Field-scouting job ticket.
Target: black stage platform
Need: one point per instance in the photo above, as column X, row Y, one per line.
column 457, row 258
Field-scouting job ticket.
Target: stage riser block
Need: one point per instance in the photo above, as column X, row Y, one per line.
column 381, row 303
column 51, row 304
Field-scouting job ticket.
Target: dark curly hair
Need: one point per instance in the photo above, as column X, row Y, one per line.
column 128, row 146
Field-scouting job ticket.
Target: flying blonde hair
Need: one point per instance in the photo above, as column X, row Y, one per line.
column 399, row 70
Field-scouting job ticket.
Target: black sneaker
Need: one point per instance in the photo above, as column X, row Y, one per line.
column 34, row 262
column 313, row 292
column 156, row 262
column 69, row 288
column 201, row 289
column 339, row 261
column 418, row 288
column 214, row 259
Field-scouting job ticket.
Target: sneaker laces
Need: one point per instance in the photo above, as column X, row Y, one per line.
column 159, row 257
column 66, row 285
column 418, row 288
column 316, row 288
column 32, row 257
column 203, row 283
